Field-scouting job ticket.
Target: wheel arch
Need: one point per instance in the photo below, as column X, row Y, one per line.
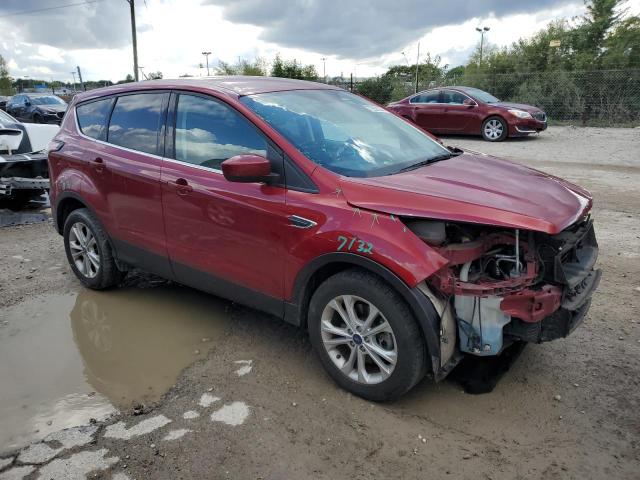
column 66, row 203
column 326, row 265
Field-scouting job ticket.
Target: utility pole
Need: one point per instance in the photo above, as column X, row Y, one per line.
column 482, row 31
column 417, row 64
column 324, row 68
column 206, row 55
column 80, row 78
column 132, row 9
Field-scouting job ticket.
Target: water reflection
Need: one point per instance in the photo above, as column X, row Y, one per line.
column 135, row 342
column 67, row 358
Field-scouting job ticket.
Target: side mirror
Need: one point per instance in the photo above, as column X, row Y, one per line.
column 469, row 103
column 247, row 169
column 10, row 139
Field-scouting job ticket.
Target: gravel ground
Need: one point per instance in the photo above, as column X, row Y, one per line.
column 260, row 405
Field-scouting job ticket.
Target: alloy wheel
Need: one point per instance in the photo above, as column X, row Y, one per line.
column 84, row 250
column 358, row 339
column 493, row 129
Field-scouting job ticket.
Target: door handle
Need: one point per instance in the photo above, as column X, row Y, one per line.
column 98, row 165
column 183, row 187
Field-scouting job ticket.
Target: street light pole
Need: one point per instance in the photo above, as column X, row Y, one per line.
column 417, row 63
column 482, row 31
column 74, row 80
column 206, row 54
column 324, row 68
column 132, row 12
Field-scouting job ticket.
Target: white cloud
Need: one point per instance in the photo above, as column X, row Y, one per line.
column 173, row 33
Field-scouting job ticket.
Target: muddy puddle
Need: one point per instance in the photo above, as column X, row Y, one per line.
column 65, row 359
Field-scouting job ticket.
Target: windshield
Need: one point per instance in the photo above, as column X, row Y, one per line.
column 344, row 132
column 6, row 118
column 48, row 100
column 481, row 95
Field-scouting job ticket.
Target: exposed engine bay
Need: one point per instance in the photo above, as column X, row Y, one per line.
column 24, row 171
column 504, row 286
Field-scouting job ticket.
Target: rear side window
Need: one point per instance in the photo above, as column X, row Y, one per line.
column 208, row 132
column 135, row 122
column 93, row 118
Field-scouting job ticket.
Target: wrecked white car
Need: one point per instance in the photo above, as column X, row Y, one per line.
column 24, row 173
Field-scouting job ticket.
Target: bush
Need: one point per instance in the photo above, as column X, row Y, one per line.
column 377, row 89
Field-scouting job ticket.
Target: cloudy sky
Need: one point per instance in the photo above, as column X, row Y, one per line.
column 363, row 37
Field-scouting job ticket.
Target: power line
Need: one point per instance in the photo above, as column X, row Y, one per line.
column 27, row 12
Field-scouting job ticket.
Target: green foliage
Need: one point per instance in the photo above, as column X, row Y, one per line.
column 377, row 89
column 293, row 69
column 257, row 68
column 5, row 80
column 155, row 75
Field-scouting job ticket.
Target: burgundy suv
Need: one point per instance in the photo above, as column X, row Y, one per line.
column 399, row 255
column 470, row 111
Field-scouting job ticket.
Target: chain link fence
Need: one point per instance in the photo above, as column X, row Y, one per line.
column 598, row 98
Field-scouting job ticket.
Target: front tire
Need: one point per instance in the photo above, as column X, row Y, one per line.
column 89, row 252
column 366, row 336
column 495, row 129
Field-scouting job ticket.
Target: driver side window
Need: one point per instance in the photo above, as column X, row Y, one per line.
column 426, row 97
column 208, row 132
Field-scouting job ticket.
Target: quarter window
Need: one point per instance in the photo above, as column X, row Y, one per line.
column 93, row 118
column 208, row 132
column 427, row 97
column 135, row 122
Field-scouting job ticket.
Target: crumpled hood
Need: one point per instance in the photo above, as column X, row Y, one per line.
column 474, row 188
column 53, row 108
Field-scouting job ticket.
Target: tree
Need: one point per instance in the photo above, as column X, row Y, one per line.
column 378, row 89
column 257, row 68
column 292, row 69
column 154, row 75
column 5, row 80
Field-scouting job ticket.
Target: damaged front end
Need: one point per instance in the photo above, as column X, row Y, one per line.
column 23, row 175
column 502, row 286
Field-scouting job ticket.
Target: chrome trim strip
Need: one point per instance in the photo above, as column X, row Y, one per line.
column 302, row 222
column 518, row 129
column 119, row 147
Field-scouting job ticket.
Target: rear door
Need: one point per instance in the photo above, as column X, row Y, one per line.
column 223, row 237
column 123, row 163
column 427, row 110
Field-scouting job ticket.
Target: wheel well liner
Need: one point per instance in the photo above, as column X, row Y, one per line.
column 326, row 265
column 66, row 203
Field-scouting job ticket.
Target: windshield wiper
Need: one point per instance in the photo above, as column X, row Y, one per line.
column 437, row 158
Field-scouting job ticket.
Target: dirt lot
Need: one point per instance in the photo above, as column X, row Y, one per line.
column 254, row 402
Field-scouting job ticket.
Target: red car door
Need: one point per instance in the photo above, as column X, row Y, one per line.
column 456, row 117
column 124, row 168
column 427, row 110
column 222, row 236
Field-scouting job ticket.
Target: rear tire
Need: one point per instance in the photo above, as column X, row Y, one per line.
column 379, row 352
column 89, row 252
column 495, row 129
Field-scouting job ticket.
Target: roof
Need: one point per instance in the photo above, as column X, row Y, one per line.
column 234, row 85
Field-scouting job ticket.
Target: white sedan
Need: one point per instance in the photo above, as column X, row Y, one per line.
column 24, row 173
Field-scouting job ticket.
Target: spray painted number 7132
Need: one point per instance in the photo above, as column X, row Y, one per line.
column 353, row 244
